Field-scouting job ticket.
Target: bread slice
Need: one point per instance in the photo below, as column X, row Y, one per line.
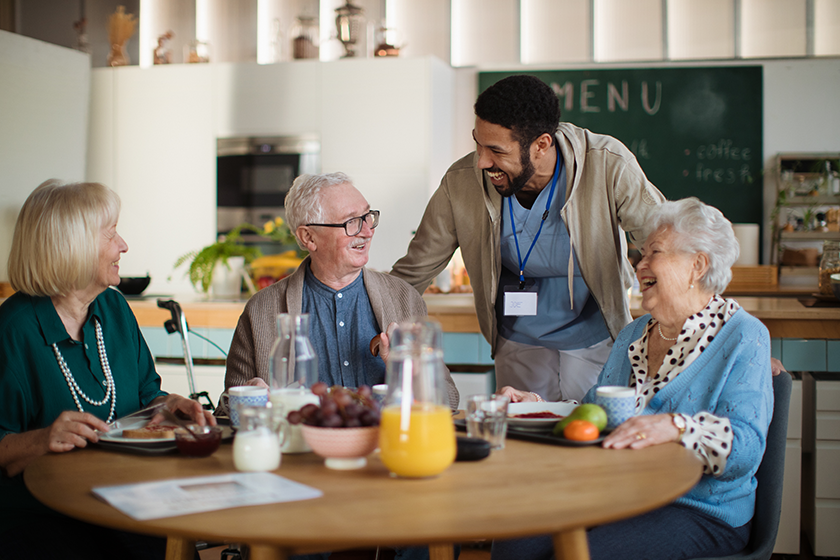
column 157, row 431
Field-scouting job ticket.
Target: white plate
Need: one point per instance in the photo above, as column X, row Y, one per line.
column 134, row 441
column 559, row 408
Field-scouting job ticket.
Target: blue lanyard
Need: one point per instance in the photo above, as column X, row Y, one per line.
column 544, row 216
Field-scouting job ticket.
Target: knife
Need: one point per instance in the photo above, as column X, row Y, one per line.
column 136, row 419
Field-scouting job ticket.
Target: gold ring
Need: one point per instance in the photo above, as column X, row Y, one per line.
column 640, row 435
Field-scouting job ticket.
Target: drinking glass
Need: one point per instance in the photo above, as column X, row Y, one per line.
column 487, row 418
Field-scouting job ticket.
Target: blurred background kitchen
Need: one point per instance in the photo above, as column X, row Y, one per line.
column 198, row 112
column 394, row 123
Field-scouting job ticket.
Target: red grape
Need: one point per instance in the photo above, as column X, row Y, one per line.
column 340, row 408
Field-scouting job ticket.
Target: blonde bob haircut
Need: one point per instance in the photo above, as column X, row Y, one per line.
column 55, row 247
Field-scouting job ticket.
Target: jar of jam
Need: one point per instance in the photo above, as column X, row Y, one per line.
column 829, row 264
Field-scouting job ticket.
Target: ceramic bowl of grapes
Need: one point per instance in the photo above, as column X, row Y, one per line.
column 343, row 428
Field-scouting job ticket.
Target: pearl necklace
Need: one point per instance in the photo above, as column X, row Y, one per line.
column 75, row 390
column 659, row 326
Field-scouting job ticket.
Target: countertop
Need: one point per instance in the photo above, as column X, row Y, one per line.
column 785, row 317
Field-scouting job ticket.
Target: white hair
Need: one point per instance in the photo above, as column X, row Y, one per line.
column 303, row 201
column 701, row 228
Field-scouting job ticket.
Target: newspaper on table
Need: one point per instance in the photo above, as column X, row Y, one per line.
column 169, row 498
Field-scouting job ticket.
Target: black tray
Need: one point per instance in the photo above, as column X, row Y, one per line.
column 538, row 436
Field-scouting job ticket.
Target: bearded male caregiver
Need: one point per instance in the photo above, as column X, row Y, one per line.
column 539, row 211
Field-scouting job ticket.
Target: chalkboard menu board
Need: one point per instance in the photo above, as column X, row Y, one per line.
column 695, row 131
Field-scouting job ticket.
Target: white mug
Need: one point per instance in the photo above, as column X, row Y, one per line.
column 618, row 402
column 243, row 394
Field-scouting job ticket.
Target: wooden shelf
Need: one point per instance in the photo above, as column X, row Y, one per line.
column 810, row 235
column 828, row 200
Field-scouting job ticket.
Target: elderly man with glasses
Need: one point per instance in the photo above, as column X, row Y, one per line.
column 348, row 305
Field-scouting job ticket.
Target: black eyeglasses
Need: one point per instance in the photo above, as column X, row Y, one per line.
column 353, row 226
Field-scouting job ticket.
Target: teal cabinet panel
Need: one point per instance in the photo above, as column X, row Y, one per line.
column 165, row 345
column 776, row 349
column 833, row 355
column 484, row 351
column 460, row 348
column 157, row 339
column 222, row 337
column 803, row 355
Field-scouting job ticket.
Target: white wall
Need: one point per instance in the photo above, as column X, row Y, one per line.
column 44, row 93
column 385, row 122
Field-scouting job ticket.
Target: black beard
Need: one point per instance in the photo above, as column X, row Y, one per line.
column 518, row 183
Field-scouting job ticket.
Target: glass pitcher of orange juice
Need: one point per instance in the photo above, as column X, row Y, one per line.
column 416, row 434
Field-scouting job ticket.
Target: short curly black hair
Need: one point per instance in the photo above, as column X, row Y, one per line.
column 524, row 104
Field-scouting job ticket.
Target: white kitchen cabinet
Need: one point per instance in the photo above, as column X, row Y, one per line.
column 821, row 504
column 385, row 122
column 44, row 103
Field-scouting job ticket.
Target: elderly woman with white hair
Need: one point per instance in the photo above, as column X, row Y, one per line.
column 700, row 367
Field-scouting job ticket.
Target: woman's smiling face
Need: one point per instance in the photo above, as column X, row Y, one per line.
column 665, row 273
column 111, row 246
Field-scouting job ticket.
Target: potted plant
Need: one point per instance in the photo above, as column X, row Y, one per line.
column 205, row 263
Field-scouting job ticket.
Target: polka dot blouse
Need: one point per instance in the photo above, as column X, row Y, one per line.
column 708, row 436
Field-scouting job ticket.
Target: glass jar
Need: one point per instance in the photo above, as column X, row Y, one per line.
column 416, row 434
column 305, row 36
column 352, row 29
column 829, row 264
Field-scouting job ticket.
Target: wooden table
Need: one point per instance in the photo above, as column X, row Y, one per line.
column 526, row 489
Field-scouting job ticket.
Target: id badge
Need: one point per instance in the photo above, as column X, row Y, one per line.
column 520, row 302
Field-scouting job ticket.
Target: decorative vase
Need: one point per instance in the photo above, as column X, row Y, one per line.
column 227, row 278
column 118, row 56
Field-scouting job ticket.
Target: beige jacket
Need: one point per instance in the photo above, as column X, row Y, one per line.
column 392, row 300
column 607, row 194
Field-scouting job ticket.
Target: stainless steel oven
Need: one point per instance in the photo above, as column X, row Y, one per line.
column 253, row 175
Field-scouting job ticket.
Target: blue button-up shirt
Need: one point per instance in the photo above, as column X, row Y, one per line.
column 341, row 326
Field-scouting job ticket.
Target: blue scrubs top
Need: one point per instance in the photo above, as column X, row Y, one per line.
column 557, row 324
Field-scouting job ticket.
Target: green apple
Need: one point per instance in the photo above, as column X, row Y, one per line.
column 589, row 412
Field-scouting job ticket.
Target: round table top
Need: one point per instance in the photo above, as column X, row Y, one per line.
column 525, row 489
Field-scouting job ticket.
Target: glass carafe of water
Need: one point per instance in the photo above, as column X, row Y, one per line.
column 294, row 369
column 416, row 436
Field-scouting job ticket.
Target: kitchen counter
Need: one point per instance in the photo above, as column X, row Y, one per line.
column 784, row 317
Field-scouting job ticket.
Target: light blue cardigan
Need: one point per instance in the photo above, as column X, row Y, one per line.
column 731, row 379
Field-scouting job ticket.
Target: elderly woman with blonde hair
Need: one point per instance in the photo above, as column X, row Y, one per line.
column 72, row 359
column 700, row 368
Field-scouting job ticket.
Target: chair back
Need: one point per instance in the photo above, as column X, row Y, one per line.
column 771, row 474
column 770, row 477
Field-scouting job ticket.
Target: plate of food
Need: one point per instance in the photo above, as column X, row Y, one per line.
column 537, row 415
column 155, row 433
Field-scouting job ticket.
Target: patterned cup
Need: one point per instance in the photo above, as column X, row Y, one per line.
column 618, row 402
column 244, row 395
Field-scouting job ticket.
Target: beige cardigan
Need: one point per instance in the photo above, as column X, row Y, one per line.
column 392, row 300
column 607, row 194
